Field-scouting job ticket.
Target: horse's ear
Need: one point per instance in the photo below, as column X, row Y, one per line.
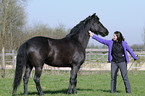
column 94, row 15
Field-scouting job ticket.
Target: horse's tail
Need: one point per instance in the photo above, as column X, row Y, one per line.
column 21, row 62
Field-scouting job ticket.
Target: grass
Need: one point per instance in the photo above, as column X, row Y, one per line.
column 89, row 84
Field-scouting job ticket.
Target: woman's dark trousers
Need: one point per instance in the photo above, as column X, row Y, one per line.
column 123, row 69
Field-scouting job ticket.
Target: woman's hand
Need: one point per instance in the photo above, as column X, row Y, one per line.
column 91, row 34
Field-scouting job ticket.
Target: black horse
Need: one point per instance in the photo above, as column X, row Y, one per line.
column 66, row 52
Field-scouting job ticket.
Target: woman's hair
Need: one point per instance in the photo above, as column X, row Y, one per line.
column 120, row 38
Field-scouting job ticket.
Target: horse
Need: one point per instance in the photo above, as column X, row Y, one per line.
column 66, row 52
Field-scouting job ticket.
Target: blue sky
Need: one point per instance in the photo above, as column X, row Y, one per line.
column 127, row 16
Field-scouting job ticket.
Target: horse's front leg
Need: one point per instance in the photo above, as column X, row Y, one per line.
column 70, row 85
column 73, row 79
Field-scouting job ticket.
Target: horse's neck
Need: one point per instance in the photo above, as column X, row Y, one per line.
column 82, row 36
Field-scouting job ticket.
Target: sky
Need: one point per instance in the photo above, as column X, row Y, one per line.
column 126, row 16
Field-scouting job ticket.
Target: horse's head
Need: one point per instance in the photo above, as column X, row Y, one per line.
column 97, row 27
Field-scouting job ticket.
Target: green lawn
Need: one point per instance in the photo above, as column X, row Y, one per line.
column 89, row 84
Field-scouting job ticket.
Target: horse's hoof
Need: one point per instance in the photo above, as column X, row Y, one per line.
column 69, row 92
column 75, row 92
column 41, row 94
column 25, row 93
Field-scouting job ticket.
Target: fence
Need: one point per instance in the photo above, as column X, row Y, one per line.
column 96, row 59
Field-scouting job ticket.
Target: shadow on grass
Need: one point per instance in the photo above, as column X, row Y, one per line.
column 63, row 91
column 107, row 91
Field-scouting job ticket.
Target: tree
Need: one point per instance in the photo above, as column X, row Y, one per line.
column 144, row 38
column 12, row 20
column 44, row 30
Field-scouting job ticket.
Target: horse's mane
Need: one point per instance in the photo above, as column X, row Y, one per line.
column 81, row 25
column 75, row 29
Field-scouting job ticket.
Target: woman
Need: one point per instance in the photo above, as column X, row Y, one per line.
column 118, row 58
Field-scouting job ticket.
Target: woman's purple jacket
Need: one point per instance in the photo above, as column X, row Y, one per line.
column 109, row 43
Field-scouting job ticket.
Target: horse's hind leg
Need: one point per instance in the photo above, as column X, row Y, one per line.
column 38, row 71
column 26, row 78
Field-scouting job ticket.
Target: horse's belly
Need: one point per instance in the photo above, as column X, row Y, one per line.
column 58, row 63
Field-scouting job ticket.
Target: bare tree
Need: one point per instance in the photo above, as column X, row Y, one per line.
column 144, row 39
column 11, row 22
